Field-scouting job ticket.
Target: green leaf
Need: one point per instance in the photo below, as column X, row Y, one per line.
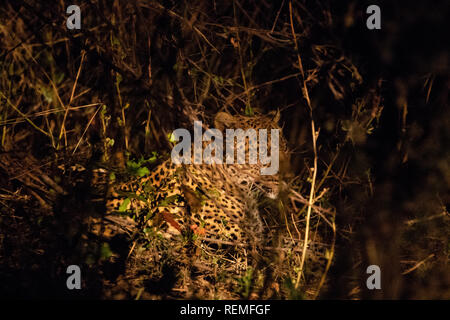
column 154, row 156
column 123, row 207
column 115, row 41
column 59, row 77
column 47, row 93
column 109, row 142
column 143, row 171
column 172, row 137
column 169, row 200
column 105, row 251
column 103, row 111
column 118, row 78
column 248, row 111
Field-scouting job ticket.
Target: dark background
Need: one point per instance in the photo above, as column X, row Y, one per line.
column 389, row 185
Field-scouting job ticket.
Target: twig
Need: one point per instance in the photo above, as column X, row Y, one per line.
column 276, row 18
column 11, row 121
column 330, row 259
column 87, row 127
column 63, row 126
column 314, row 140
column 24, row 115
column 418, row 264
column 239, row 49
column 174, row 14
column 246, row 245
column 436, row 216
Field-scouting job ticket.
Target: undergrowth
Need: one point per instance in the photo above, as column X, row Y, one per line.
column 368, row 174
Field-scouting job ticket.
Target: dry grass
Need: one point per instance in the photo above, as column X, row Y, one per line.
column 110, row 94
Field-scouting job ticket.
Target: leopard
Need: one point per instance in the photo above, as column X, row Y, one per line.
column 213, row 201
column 225, row 206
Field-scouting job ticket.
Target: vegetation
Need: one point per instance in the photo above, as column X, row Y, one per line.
column 365, row 114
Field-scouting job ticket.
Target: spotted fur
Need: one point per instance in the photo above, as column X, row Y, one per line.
column 214, row 201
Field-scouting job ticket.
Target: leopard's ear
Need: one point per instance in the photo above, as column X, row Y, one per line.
column 276, row 115
column 223, row 120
